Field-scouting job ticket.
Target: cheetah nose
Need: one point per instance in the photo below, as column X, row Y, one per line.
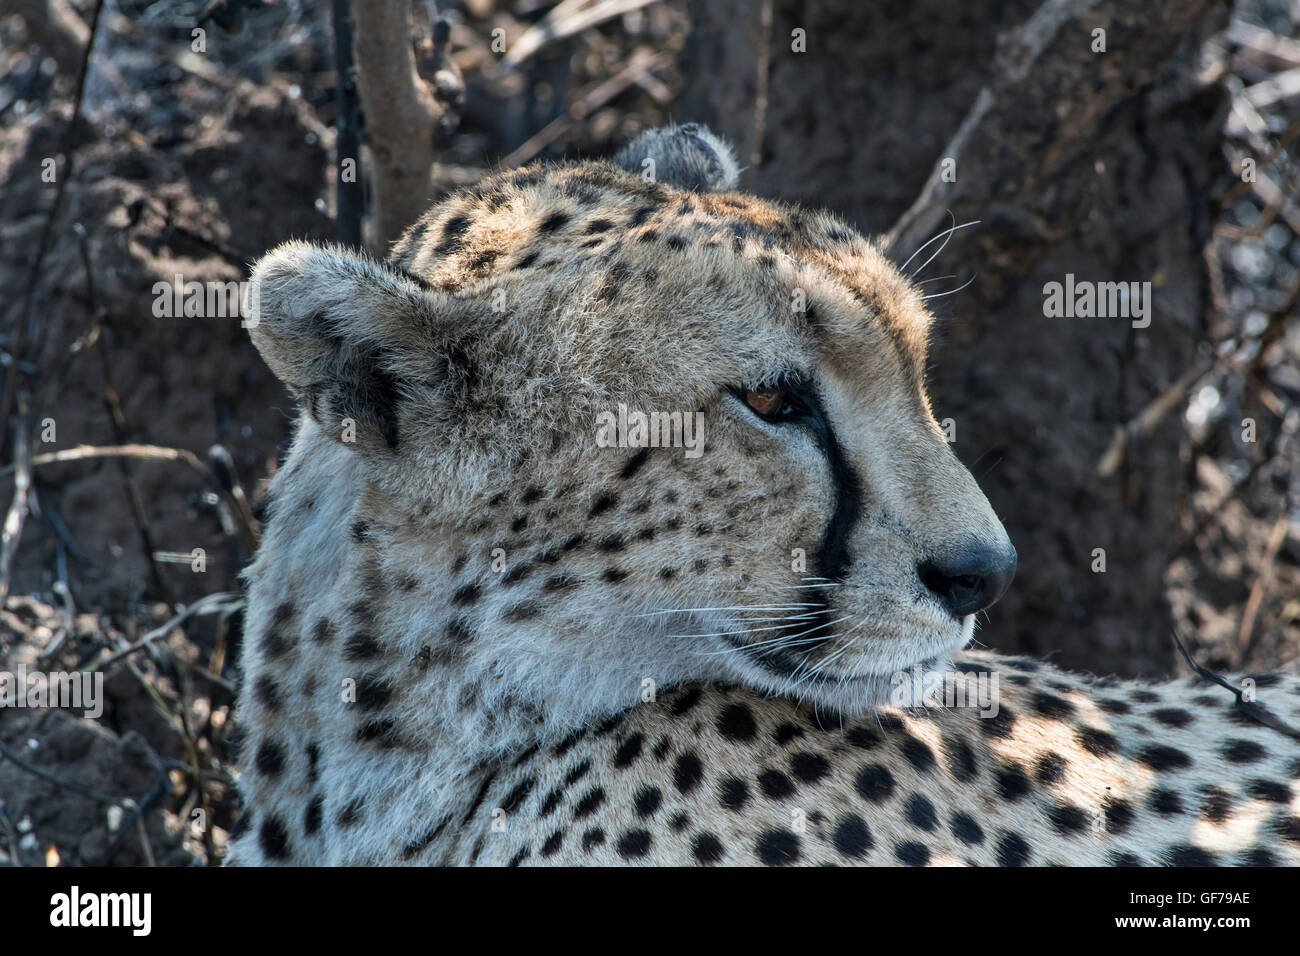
column 972, row 580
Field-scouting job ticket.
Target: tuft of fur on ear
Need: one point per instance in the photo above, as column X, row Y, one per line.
column 689, row 156
column 340, row 330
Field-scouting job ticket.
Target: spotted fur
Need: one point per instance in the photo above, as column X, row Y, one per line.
column 476, row 635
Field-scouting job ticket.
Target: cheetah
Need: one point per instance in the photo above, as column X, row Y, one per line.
column 617, row 528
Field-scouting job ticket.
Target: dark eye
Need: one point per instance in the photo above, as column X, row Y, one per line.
column 776, row 403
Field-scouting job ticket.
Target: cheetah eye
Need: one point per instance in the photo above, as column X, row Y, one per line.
column 774, row 404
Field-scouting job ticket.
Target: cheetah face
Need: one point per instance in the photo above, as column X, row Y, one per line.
column 812, row 534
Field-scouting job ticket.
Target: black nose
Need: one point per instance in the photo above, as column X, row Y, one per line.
column 972, row 580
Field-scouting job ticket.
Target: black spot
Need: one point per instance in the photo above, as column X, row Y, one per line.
column 852, row 836
column 1271, row 790
column 273, row 838
column 373, row 692
column 526, row 260
column 634, row 844
column 1184, row 855
column 554, row 221
column 517, row 574
column 918, row 754
column 786, row 733
column 311, row 818
column 578, row 771
column 1258, row 856
column 775, row 784
column 1053, row 707
column 1012, row 782
column 1114, row 706
column 424, row 839
column 707, row 848
column 737, row 723
column 683, row 703
column 1172, row 716
column 322, row 631
column 641, row 215
column 612, row 544
column 687, row 772
column 777, row 847
column 592, row 838
column 647, row 801
column 1165, row 802
column 458, row 632
column 1217, row 806
column 599, row 225
column 360, row 647
column 1125, row 859
column 466, row 595
column 270, row 758
column 268, row 693
column 551, row 802
column 382, row 731
column 999, row 726
column 1242, row 751
column 809, row 767
column 911, row 854
column 1067, row 819
column 452, row 231
column 1012, row 850
column 961, row 760
column 1099, row 743
column 516, row 797
column 313, row 762
column 1162, row 758
column 735, row 793
column 965, row 828
column 875, row 783
column 558, row 582
column 629, row 751
column 920, row 812
column 1049, row 768
column 865, row 738
column 518, row 857
column 552, row 844
column 567, row 744
column 1288, row 828
column 1118, row 815
column 589, row 803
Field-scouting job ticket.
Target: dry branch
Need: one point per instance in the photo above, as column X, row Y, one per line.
column 402, row 111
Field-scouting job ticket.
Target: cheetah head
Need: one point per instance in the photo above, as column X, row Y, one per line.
column 616, row 430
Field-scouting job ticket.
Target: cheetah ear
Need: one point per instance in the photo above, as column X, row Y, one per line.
column 690, row 156
column 358, row 341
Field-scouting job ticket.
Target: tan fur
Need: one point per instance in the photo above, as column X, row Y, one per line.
column 456, row 576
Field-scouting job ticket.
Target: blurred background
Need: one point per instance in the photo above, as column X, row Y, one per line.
column 1161, row 149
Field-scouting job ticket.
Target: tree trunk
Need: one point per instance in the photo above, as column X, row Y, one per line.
column 1076, row 161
